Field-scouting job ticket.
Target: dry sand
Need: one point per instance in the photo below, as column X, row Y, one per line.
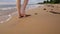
column 40, row 22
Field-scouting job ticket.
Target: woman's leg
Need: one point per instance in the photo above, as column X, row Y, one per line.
column 24, row 7
column 18, row 5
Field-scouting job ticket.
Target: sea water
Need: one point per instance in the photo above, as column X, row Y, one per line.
column 6, row 11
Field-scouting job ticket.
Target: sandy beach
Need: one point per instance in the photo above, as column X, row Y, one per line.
column 7, row 11
column 43, row 20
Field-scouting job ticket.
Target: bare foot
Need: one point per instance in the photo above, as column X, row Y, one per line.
column 24, row 16
column 20, row 16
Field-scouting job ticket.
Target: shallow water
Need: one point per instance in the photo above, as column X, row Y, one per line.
column 9, row 10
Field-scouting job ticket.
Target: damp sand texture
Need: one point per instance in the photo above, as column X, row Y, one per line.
column 40, row 22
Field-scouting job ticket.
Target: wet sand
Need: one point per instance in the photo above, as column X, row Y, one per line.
column 40, row 22
column 7, row 13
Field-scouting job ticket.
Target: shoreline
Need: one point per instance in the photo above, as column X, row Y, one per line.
column 41, row 21
column 15, row 13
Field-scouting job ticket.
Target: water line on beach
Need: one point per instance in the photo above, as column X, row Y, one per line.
column 7, row 19
column 15, row 13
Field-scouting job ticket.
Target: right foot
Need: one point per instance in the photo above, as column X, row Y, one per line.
column 20, row 16
column 24, row 16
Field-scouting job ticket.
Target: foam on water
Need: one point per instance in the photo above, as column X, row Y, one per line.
column 7, row 8
column 8, row 17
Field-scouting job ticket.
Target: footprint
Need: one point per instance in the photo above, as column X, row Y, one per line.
column 52, row 6
column 44, row 9
column 51, row 9
column 36, row 13
column 54, row 12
